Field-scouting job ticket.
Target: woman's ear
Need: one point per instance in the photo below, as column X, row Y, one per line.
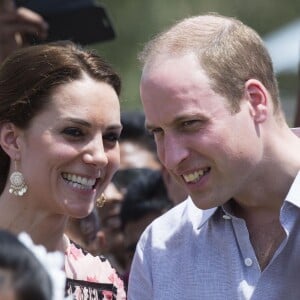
column 9, row 134
column 258, row 98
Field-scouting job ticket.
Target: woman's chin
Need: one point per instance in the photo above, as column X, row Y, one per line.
column 80, row 212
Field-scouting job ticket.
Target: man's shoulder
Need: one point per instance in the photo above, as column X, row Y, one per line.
column 182, row 220
column 176, row 216
column 185, row 212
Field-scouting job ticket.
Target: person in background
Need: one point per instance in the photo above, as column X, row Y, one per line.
column 221, row 132
column 16, row 24
column 137, row 150
column 84, row 232
column 137, row 146
column 109, row 236
column 297, row 114
column 146, row 199
column 22, row 276
column 59, row 131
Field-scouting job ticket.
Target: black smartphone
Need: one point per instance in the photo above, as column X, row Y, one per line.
column 84, row 24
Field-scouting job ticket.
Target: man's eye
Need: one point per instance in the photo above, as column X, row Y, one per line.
column 73, row 131
column 189, row 123
column 192, row 124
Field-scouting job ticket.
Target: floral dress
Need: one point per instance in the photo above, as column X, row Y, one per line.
column 91, row 277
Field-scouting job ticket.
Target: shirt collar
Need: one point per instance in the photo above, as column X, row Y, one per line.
column 198, row 216
column 293, row 195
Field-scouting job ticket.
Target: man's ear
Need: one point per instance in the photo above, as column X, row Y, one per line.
column 9, row 139
column 257, row 96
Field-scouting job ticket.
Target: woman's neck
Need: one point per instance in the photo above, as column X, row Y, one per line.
column 44, row 228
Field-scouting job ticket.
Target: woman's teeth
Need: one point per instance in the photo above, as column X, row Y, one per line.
column 79, row 181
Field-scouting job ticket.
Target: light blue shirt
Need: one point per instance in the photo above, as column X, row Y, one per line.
column 191, row 254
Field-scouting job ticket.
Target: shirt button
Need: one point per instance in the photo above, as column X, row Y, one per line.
column 248, row 262
column 226, row 217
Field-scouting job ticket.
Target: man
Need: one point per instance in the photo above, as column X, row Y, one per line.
column 211, row 100
column 137, row 146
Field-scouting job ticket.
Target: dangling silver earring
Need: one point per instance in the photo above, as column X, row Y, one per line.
column 101, row 201
column 18, row 186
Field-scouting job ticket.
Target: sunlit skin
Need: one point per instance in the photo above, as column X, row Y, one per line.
column 77, row 133
column 195, row 131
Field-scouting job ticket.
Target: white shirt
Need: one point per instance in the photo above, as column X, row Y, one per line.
column 191, row 254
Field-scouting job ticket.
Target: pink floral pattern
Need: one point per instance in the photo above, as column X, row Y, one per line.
column 75, row 252
column 91, row 277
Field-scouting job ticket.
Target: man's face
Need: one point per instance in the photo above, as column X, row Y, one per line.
column 209, row 150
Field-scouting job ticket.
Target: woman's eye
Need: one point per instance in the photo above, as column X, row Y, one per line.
column 73, row 131
column 112, row 137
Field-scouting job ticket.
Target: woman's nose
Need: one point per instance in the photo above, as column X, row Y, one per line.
column 95, row 153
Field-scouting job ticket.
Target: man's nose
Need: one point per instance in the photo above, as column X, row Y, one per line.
column 173, row 152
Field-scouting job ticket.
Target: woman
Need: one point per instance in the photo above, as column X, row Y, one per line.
column 59, row 131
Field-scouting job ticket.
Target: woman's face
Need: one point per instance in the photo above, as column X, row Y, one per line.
column 70, row 151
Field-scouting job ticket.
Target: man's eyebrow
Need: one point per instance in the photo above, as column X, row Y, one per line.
column 178, row 119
